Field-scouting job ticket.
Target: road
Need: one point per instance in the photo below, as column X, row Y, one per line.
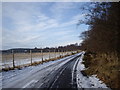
column 62, row 78
column 60, row 74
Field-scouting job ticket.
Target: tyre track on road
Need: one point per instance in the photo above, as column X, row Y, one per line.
column 58, row 77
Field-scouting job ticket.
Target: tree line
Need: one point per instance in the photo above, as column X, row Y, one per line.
column 103, row 34
column 71, row 47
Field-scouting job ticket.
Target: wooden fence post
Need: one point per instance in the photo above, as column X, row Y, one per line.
column 55, row 53
column 13, row 59
column 31, row 56
column 63, row 52
column 49, row 54
column 42, row 55
column 58, row 53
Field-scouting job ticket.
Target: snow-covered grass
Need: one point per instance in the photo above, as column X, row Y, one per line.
column 25, row 58
column 87, row 81
column 24, row 69
column 16, row 75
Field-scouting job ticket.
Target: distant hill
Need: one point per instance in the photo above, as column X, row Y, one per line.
column 70, row 47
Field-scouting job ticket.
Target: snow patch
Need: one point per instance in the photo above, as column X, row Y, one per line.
column 85, row 81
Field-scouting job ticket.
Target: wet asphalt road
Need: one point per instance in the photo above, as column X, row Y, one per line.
column 53, row 76
column 62, row 78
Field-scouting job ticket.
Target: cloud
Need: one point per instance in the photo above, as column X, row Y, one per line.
column 63, row 5
column 28, row 25
column 0, row 25
column 59, row 9
column 42, row 18
column 79, row 16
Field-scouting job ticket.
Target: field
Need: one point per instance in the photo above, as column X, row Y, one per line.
column 21, row 59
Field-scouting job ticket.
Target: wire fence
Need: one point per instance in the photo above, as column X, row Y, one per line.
column 14, row 59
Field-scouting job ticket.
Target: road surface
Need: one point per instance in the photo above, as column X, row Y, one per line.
column 60, row 74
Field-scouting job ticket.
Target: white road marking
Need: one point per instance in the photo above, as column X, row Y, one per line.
column 58, row 77
column 74, row 69
column 41, row 84
column 33, row 81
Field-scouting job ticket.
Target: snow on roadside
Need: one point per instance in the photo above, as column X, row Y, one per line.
column 87, row 81
column 8, row 76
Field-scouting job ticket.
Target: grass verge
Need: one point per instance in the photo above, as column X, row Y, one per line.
column 34, row 63
column 105, row 66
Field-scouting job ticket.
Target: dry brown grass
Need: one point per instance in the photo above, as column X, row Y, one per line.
column 19, row 56
column 34, row 63
column 106, row 67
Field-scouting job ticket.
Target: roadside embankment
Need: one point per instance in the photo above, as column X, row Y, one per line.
column 105, row 66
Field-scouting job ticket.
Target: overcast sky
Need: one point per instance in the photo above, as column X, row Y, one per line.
column 50, row 24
